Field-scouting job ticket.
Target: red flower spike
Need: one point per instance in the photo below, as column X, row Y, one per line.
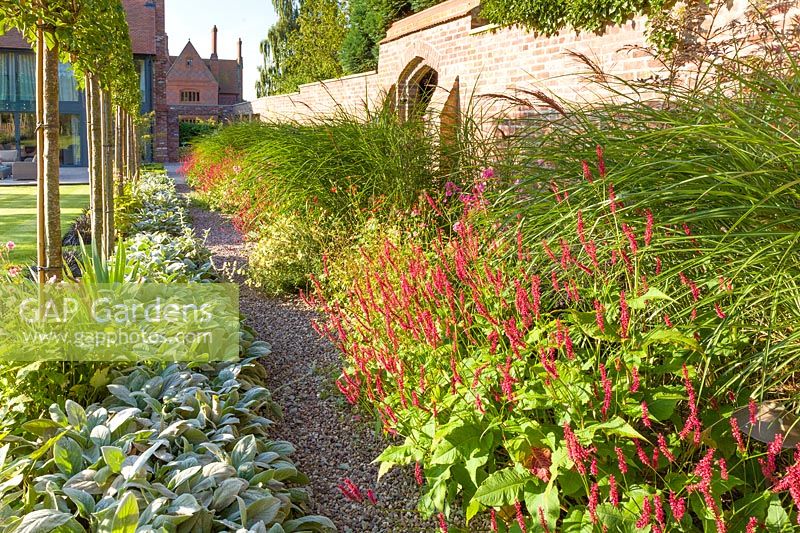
column 442, row 523
column 418, row 473
column 752, row 524
column 677, row 505
column 662, row 445
column 598, row 315
column 648, row 229
column 624, row 315
column 644, row 518
column 646, row 416
column 594, row 499
column 753, row 409
column 606, row 390
column 737, row 434
column 612, row 198
column 601, row 161
column 493, row 519
column 371, row 497
column 635, row 379
column 622, row 463
column 587, row 172
column 520, row 516
column 613, row 491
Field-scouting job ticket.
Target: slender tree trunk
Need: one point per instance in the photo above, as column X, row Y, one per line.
column 123, row 142
column 108, row 178
column 137, row 155
column 118, row 151
column 41, row 235
column 51, row 164
column 129, row 146
column 96, row 161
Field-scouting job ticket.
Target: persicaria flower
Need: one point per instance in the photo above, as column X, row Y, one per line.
column 768, row 465
column 351, row 490
column 612, row 198
column 644, row 518
column 594, row 499
column 520, row 516
column 371, row 497
column 418, row 473
column 598, row 315
column 752, row 524
column 648, row 229
column 718, row 310
column 488, row 173
column 791, row 482
column 624, row 315
column 536, row 294
column 622, row 463
column 587, row 172
column 10, row 245
column 658, row 506
column 737, row 434
column 442, row 523
column 14, row 271
column 635, row 379
column 601, row 161
column 662, row 445
column 613, row 491
column 646, row 415
column 753, row 410
column 628, row 231
column 577, row 453
column 678, row 506
column 493, row 519
column 606, row 390
column 723, row 468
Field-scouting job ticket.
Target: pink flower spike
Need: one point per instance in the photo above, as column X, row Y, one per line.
column 418, row 473
column 635, row 379
column 371, row 497
column 646, row 416
column 622, row 463
column 442, row 523
column 520, row 516
column 752, row 524
column 587, row 172
column 10, row 245
column 601, row 161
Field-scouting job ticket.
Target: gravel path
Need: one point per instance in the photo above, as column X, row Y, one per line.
column 332, row 440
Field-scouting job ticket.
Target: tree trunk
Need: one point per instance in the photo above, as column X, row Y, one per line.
column 107, row 177
column 96, row 162
column 118, row 151
column 51, row 165
column 41, row 235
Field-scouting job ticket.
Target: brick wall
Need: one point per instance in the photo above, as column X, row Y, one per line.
column 160, row 66
column 476, row 60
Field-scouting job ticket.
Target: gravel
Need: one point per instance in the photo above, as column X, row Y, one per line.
column 333, row 441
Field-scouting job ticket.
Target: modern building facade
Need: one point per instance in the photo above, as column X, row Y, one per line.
column 182, row 87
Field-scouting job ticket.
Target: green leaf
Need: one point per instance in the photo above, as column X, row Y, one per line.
column 68, row 456
column 45, row 520
column 126, row 516
column 82, row 500
column 76, row 415
column 244, row 451
column 651, row 294
column 502, row 487
column 309, row 523
column 114, row 457
column 263, row 510
column 544, row 497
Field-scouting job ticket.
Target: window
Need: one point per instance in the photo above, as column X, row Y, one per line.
column 190, row 96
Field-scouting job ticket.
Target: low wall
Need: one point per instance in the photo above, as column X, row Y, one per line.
column 352, row 93
column 467, row 58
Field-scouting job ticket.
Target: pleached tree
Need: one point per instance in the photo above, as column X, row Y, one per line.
column 93, row 36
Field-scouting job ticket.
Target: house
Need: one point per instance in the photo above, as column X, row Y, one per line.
column 183, row 87
column 201, row 88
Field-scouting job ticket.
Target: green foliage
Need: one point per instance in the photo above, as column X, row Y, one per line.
column 550, row 16
column 368, row 21
column 285, row 252
column 274, row 48
column 209, row 465
column 191, row 130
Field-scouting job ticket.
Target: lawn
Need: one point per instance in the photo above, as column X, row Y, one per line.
column 18, row 216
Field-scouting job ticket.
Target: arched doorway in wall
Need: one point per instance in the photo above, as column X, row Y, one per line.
column 416, row 87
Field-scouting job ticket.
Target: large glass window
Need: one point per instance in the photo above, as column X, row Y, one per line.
column 6, row 78
column 67, row 87
column 26, row 78
column 27, row 135
column 70, row 140
column 8, row 132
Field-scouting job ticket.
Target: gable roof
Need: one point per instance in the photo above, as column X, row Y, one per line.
column 190, row 66
column 228, row 75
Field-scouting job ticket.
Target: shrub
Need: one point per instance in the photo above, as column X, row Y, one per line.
column 283, row 256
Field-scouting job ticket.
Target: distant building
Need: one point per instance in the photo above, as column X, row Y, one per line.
column 200, row 89
column 173, row 88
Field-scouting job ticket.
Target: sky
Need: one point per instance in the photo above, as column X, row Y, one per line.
column 248, row 19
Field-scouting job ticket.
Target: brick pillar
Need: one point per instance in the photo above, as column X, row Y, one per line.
column 160, row 66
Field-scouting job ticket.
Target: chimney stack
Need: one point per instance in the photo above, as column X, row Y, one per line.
column 239, row 57
column 214, row 42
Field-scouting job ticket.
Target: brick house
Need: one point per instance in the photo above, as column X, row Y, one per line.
column 200, row 88
column 216, row 83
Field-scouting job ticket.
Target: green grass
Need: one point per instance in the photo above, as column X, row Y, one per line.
column 18, row 216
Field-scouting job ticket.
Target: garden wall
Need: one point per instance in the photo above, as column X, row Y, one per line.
column 459, row 57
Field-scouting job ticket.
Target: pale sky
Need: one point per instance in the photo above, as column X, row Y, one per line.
column 248, row 19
